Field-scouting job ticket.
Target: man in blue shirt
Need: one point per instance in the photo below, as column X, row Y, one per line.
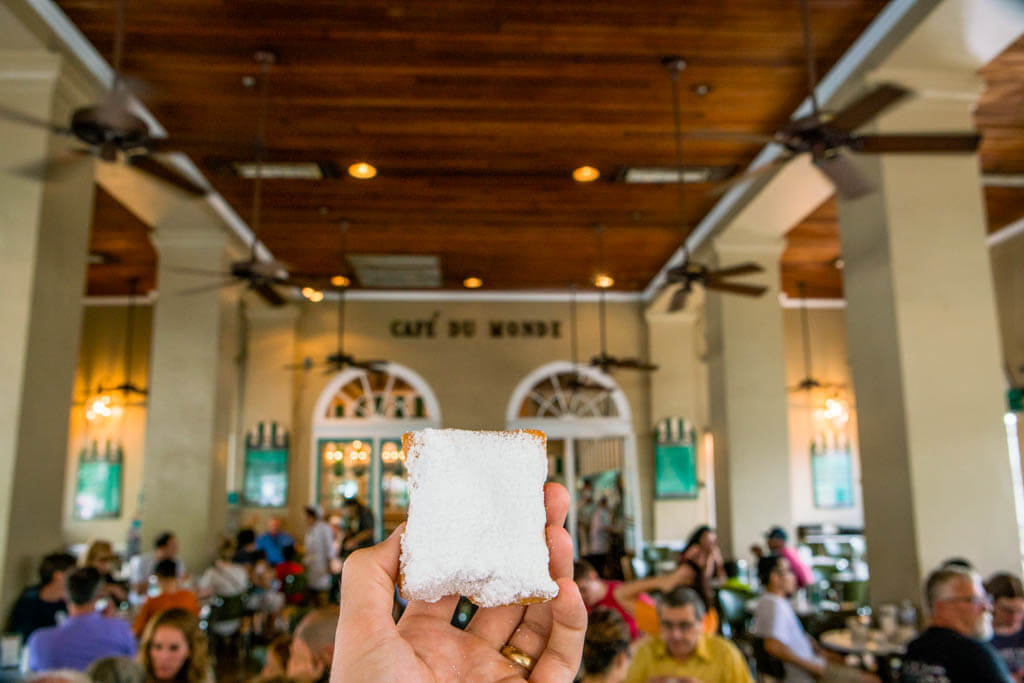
column 85, row 636
column 273, row 541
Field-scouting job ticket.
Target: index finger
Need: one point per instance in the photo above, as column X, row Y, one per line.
column 556, row 504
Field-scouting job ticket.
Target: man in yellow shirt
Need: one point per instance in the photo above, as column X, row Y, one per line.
column 682, row 650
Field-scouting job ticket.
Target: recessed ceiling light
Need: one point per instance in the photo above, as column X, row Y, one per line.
column 472, row 283
column 340, row 281
column 281, row 170
column 839, row 263
column 604, row 281
column 314, row 295
column 668, row 174
column 586, row 174
column 701, row 89
column 362, row 170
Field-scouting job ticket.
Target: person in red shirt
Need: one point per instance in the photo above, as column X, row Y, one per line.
column 622, row 596
column 171, row 595
column 290, row 574
column 776, row 539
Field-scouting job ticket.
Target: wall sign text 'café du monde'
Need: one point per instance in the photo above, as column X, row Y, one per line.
column 435, row 328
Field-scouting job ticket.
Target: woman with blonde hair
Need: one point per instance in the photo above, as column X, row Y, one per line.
column 174, row 649
column 102, row 557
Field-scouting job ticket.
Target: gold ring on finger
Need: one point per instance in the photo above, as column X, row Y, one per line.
column 517, row 656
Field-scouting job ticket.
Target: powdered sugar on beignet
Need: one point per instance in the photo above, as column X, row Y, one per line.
column 476, row 517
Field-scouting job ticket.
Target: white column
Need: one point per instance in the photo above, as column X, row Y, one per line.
column 44, row 232
column 923, row 334
column 746, row 364
column 191, row 395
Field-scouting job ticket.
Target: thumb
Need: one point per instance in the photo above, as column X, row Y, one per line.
column 368, row 580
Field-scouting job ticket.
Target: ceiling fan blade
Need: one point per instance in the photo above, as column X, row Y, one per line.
column 635, row 364
column 18, row 117
column 738, row 269
column 195, row 271
column 849, row 181
column 867, row 107
column 371, row 365
column 154, row 168
column 733, row 136
column 916, row 144
column 306, row 364
column 735, row 288
column 52, row 168
column 267, row 292
column 678, row 301
column 208, row 288
column 759, row 172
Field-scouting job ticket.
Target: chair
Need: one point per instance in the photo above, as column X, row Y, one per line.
column 732, row 610
column 767, row 665
column 225, row 625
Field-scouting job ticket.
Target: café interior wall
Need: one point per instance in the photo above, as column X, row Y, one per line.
column 829, row 364
column 101, row 362
column 473, row 378
column 680, row 389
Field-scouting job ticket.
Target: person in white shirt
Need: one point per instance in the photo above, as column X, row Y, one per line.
column 224, row 579
column 317, row 555
column 777, row 623
column 164, row 548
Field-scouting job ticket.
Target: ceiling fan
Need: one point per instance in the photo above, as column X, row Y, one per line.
column 578, row 382
column 603, row 360
column 127, row 388
column 689, row 272
column 825, row 135
column 111, row 130
column 258, row 275
column 339, row 360
column 809, row 382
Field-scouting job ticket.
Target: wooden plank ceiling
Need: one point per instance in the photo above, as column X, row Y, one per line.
column 475, row 113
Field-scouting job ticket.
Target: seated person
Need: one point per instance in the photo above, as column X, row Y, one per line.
column 85, row 635
column 621, row 596
column 312, row 648
column 291, row 576
column 40, row 605
column 776, row 539
column 1008, row 621
column 682, row 650
column 116, row 670
column 273, row 541
column 777, row 623
column 246, row 544
column 952, row 648
column 171, row 595
column 606, row 647
column 732, row 580
column 224, row 579
column 142, row 567
column 276, row 663
column 101, row 556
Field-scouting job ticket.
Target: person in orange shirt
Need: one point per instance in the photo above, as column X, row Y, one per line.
column 171, row 595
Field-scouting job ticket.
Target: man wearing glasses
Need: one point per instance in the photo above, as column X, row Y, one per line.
column 952, row 648
column 682, row 651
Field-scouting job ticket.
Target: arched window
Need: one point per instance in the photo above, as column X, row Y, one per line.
column 358, row 424
column 591, row 445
